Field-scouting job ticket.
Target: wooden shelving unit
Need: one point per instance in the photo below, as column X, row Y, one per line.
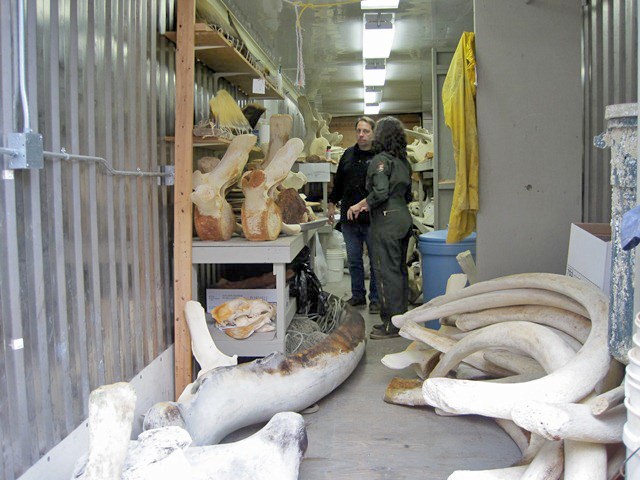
column 214, row 50
column 210, row 142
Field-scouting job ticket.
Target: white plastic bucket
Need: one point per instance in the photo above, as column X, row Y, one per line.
column 633, row 367
column 632, row 389
column 631, row 439
column 335, row 265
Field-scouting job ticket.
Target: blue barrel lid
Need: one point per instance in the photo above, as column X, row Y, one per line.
column 440, row 236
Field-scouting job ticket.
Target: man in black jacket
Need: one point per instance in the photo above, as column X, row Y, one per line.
column 348, row 189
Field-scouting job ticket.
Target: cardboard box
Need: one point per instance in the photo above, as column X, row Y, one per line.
column 316, row 172
column 589, row 255
column 217, row 296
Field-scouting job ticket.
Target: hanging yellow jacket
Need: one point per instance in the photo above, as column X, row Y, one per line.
column 459, row 107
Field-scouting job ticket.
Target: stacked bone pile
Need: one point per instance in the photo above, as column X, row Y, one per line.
column 241, row 317
column 530, row 351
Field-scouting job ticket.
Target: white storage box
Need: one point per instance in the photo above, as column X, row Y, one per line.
column 589, row 255
column 315, row 172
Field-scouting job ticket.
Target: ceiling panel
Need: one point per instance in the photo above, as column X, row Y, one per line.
column 332, row 49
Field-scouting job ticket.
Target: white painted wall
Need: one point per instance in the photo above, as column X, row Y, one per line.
column 529, row 110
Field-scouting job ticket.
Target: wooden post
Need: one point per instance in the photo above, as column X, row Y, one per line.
column 182, row 231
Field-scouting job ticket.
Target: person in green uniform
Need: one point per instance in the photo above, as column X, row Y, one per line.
column 389, row 187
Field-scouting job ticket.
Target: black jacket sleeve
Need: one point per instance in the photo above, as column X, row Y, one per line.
column 338, row 183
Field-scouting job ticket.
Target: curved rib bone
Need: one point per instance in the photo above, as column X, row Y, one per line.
column 413, row 331
column 273, row 384
column 571, row 323
column 571, row 421
column 537, row 341
column 455, row 302
column 547, row 464
column 519, row 364
column 567, row 384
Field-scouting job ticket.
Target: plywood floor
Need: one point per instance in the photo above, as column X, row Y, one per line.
column 355, row 435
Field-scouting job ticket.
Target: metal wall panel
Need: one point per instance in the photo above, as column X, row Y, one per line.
column 85, row 256
column 610, row 45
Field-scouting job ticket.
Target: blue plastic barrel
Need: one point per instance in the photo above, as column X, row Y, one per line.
column 439, row 263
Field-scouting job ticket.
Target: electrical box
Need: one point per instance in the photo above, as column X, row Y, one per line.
column 29, row 150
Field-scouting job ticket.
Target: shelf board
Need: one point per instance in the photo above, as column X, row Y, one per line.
column 423, row 166
column 210, row 142
column 216, row 52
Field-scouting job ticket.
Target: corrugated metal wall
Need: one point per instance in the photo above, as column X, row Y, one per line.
column 610, row 39
column 85, row 257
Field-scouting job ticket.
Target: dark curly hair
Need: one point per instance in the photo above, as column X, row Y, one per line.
column 390, row 138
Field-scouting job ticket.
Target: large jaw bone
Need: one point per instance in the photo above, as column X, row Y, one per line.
column 213, row 216
column 568, row 384
column 261, row 217
column 273, row 452
column 228, row 398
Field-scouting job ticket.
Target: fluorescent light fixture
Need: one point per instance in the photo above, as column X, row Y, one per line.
column 371, row 108
column 374, row 75
column 377, row 35
column 372, row 94
column 378, row 4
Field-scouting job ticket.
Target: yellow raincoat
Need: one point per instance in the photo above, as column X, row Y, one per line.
column 458, row 100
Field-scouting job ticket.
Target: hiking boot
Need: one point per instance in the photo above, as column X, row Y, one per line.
column 389, row 332
column 378, row 326
column 374, row 308
column 356, row 302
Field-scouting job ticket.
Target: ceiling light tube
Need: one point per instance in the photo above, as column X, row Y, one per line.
column 372, row 94
column 374, row 75
column 378, row 4
column 377, row 38
column 371, row 108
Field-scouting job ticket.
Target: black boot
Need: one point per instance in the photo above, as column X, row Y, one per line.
column 389, row 330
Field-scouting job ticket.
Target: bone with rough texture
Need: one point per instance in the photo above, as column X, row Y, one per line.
column 608, row 400
column 567, row 384
column 584, row 461
column 266, row 386
column 405, row 391
column 571, row 421
column 213, row 215
column 111, row 410
column 204, row 350
column 261, row 217
column 571, row 323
